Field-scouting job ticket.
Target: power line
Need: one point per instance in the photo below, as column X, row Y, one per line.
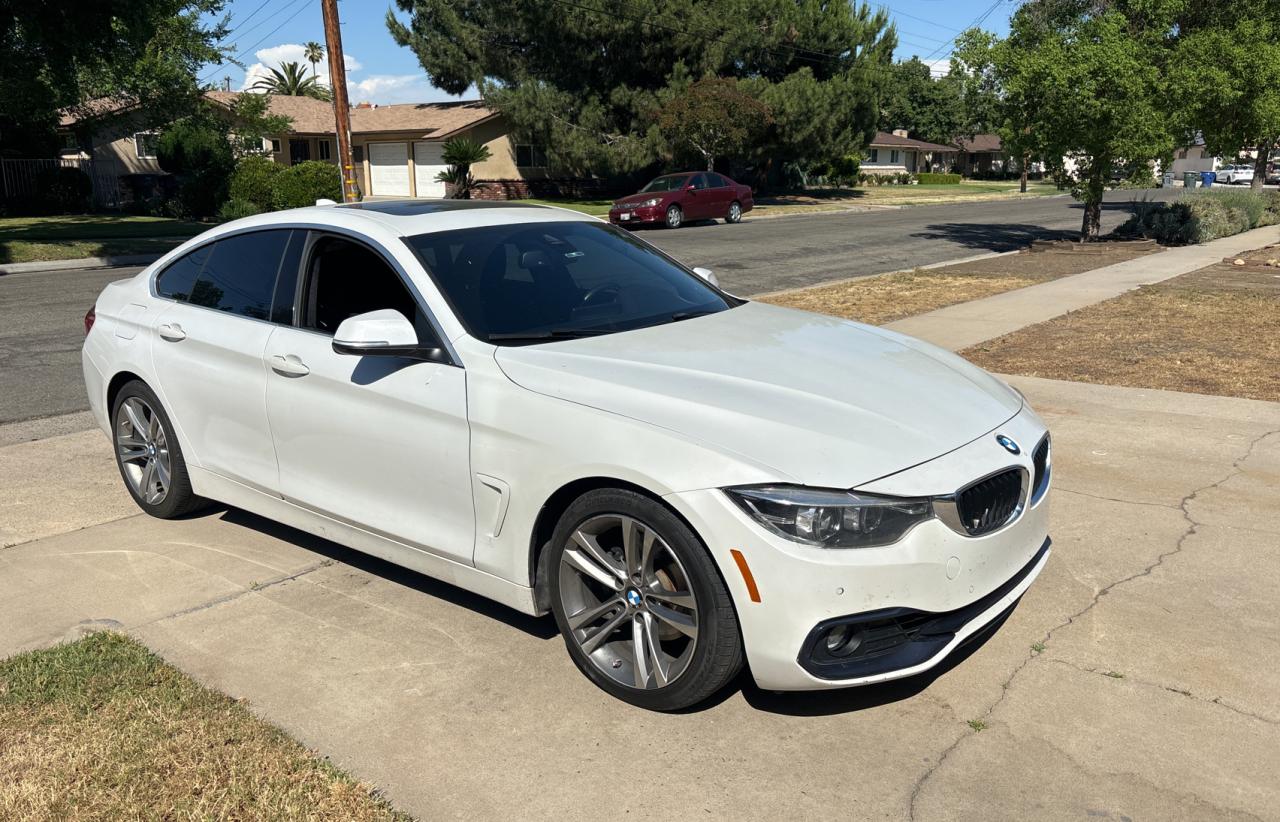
column 260, row 41
column 982, row 18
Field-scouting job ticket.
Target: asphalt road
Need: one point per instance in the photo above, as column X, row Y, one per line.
column 41, row 314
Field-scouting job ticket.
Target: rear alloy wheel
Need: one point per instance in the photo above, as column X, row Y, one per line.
column 640, row 604
column 674, row 216
column 148, row 454
column 735, row 213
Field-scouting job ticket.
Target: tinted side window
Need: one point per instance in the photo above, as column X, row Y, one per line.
column 699, row 181
column 345, row 279
column 717, row 181
column 240, row 275
column 177, row 281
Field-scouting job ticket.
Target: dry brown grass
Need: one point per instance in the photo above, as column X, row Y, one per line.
column 1213, row 331
column 879, row 300
column 890, row 297
column 103, row 729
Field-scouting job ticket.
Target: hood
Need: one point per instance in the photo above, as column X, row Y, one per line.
column 632, row 199
column 823, row 401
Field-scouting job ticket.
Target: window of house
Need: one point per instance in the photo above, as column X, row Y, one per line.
column 326, row 149
column 145, row 143
column 275, row 146
column 875, row 156
column 70, row 143
column 893, row 157
column 528, row 156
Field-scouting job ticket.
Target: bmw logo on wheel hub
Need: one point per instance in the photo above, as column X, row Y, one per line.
column 633, row 598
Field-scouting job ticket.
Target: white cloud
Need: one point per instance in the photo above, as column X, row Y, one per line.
column 382, row 89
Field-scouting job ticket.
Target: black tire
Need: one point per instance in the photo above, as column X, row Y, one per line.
column 178, row 500
column 735, row 214
column 675, row 216
column 716, row 655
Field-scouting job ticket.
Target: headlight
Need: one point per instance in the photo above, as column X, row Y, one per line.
column 831, row 518
column 652, row 201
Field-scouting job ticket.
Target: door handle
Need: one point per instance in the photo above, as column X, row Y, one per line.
column 172, row 332
column 288, row 365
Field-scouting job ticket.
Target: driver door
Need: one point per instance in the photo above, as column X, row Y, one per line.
column 377, row 442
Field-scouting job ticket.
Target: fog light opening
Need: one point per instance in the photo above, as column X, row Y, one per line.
column 842, row 640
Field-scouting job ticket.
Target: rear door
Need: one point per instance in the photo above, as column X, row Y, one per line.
column 389, row 169
column 722, row 194
column 208, row 349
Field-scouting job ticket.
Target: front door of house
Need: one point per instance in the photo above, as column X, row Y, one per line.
column 299, row 151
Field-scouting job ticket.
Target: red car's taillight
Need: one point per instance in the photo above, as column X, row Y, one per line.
column 89, row 318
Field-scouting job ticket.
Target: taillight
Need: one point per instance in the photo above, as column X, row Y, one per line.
column 89, row 318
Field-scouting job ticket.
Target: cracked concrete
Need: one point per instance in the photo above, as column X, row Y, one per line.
column 1155, row 693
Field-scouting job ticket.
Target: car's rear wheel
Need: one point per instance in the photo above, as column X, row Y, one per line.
column 735, row 213
column 148, row 454
column 674, row 217
column 642, row 608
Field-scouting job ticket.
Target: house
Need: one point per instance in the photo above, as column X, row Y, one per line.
column 397, row 149
column 895, row 152
column 980, row 154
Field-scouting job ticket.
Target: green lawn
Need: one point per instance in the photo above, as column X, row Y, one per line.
column 70, row 237
column 102, row 728
column 597, row 208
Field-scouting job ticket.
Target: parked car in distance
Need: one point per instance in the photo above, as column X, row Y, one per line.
column 546, row 410
column 675, row 199
column 1234, row 174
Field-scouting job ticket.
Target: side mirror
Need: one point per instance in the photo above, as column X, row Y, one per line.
column 690, row 188
column 708, row 275
column 382, row 333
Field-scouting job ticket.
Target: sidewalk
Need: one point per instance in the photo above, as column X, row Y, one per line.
column 960, row 326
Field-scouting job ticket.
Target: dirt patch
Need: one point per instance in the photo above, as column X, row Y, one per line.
column 1212, row 331
column 890, row 297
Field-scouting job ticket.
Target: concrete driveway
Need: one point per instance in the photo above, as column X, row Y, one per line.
column 1155, row 695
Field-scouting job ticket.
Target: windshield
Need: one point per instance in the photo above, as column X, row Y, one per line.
column 671, row 182
column 531, row 282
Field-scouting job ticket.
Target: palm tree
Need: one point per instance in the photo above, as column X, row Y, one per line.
column 461, row 154
column 291, row 80
column 314, row 53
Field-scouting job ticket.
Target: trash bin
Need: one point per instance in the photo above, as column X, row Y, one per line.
column 1207, row 178
column 1189, row 179
column 1166, row 181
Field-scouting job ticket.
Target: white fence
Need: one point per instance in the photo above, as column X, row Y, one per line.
column 19, row 178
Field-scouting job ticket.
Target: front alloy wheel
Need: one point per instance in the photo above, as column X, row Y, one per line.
column 674, row 216
column 641, row 606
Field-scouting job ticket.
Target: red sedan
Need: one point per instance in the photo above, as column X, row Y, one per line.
column 674, row 199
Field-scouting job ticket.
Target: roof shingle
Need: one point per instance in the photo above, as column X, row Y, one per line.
column 884, row 139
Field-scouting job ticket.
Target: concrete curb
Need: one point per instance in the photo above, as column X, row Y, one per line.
column 83, row 262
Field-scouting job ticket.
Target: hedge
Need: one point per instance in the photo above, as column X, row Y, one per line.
column 253, row 179
column 1202, row 216
column 302, row 184
column 932, row 179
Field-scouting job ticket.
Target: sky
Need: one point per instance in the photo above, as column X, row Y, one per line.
column 268, row 32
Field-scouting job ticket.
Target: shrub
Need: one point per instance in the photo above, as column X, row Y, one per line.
column 252, row 181
column 932, row 179
column 303, row 184
column 1201, row 216
column 234, row 209
column 198, row 154
column 63, row 190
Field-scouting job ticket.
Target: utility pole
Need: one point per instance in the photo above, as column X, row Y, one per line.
column 341, row 111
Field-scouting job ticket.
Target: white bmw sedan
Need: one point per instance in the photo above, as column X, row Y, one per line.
column 543, row 409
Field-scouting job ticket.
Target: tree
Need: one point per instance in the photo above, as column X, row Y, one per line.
column 588, row 79
column 291, row 80
column 461, row 153
column 1083, row 85
column 144, row 52
column 196, row 151
column 928, row 108
column 1225, row 75
column 978, row 87
column 715, row 118
column 314, row 52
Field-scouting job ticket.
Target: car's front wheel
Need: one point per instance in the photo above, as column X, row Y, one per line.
column 148, row 455
column 640, row 603
column 674, row 217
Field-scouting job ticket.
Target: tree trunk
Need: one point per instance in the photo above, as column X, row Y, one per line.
column 1260, row 165
column 1026, row 161
column 711, row 162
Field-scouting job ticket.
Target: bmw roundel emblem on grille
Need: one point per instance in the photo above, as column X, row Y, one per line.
column 1009, row 445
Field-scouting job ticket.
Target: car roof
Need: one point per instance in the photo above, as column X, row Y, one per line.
column 408, row 217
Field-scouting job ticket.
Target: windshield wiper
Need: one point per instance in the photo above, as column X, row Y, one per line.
column 553, row 334
column 686, row 315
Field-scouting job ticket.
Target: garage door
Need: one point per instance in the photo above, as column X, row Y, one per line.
column 389, row 169
column 428, row 161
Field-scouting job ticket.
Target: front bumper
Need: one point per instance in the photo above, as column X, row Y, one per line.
column 637, row 216
column 936, row 587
